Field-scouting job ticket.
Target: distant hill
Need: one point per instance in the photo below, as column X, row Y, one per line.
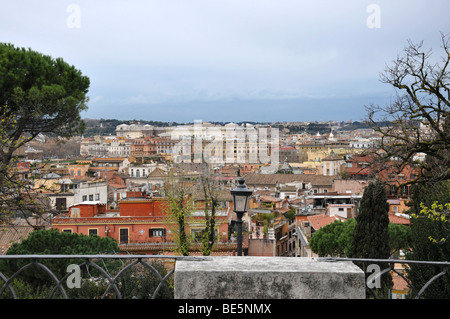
column 107, row 127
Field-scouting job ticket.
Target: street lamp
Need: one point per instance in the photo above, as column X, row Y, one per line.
column 240, row 195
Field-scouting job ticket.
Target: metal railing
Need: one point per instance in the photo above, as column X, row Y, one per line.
column 164, row 280
column 415, row 292
column 92, row 262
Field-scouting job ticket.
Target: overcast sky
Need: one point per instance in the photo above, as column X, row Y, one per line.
column 227, row 60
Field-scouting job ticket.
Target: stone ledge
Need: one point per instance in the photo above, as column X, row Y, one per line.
column 267, row 278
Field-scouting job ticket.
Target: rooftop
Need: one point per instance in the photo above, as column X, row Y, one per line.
column 273, row 179
column 318, row 221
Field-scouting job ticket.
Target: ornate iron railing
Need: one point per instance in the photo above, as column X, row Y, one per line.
column 89, row 261
column 113, row 287
column 414, row 291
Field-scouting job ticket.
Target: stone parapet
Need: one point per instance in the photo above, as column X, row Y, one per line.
column 267, row 278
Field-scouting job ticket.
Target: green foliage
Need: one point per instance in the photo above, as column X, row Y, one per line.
column 290, row 215
column 438, row 214
column 371, row 234
column 43, row 94
column 141, row 283
column 208, row 238
column 52, row 242
column 211, row 201
column 399, row 237
column 138, row 282
column 25, row 290
column 180, row 207
column 38, row 94
column 108, row 126
column 427, row 230
column 334, row 239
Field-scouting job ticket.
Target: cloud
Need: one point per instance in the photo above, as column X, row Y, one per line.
column 175, row 54
column 95, row 99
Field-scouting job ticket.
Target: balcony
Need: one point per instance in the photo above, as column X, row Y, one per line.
column 199, row 277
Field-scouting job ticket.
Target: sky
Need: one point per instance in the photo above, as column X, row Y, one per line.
column 227, row 60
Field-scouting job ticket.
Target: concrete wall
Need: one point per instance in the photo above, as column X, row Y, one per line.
column 267, row 278
column 349, row 186
column 261, row 247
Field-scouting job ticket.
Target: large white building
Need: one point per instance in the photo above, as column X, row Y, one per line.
column 119, row 148
column 332, row 164
column 133, row 130
column 91, row 191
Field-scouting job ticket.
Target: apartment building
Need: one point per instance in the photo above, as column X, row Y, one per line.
column 119, row 147
column 91, row 191
column 141, row 225
column 100, row 165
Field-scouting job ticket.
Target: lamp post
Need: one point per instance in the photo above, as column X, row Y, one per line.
column 240, row 195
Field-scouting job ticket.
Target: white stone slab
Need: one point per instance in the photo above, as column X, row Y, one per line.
column 267, row 278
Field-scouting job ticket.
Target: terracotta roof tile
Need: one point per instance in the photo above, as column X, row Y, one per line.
column 12, row 234
column 272, row 179
column 318, row 221
column 398, row 219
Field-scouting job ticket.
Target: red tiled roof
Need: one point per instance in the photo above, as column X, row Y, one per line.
column 318, row 221
column 269, row 199
column 282, row 210
column 400, row 284
column 12, row 234
column 395, row 219
column 272, row 179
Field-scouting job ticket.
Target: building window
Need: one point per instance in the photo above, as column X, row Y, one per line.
column 91, row 198
column 69, row 231
column 157, row 232
column 93, row 232
column 97, row 197
column 197, row 235
column 123, row 233
column 61, row 204
column 84, row 198
column 393, row 190
column 405, row 190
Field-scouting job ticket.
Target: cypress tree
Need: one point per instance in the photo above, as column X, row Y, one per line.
column 371, row 234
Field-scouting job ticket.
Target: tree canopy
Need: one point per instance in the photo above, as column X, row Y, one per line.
column 38, row 94
column 52, row 242
column 334, row 239
column 430, row 231
column 419, row 116
column 371, row 234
